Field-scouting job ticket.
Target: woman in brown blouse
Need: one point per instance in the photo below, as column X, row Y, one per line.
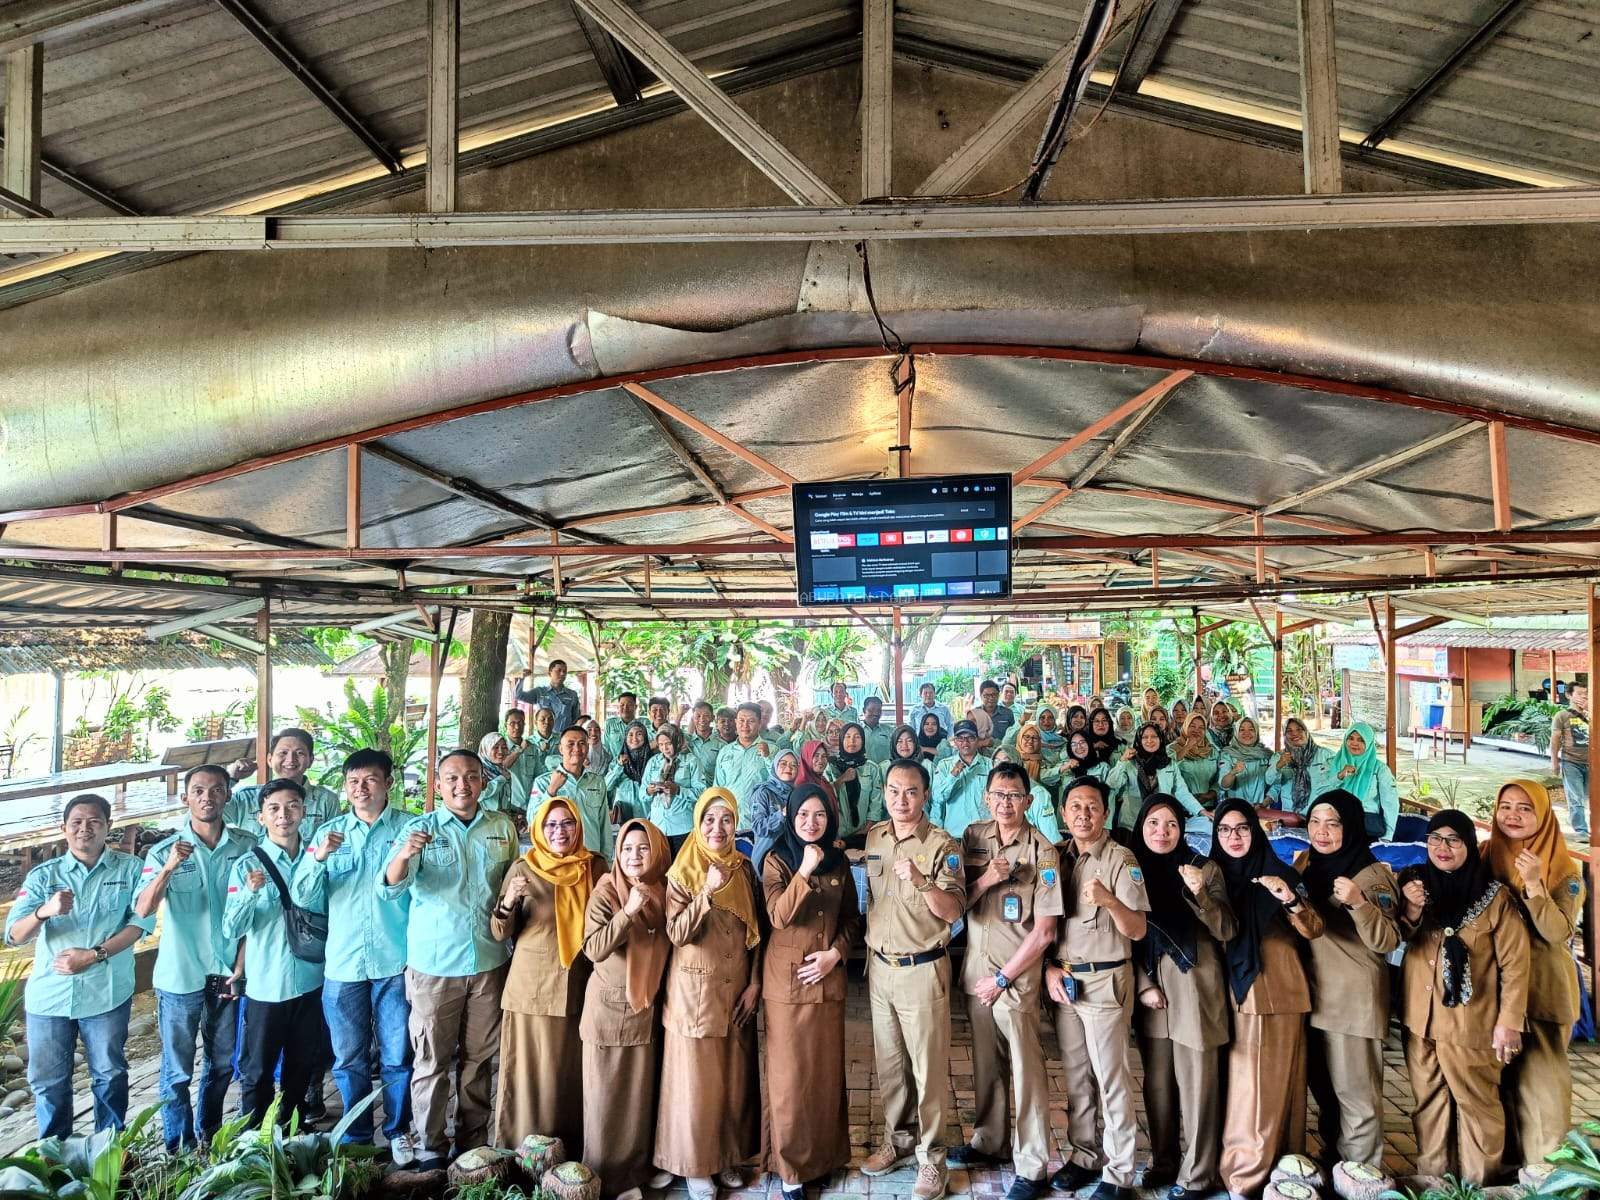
column 541, row 907
column 1266, row 1112
column 1359, row 903
column 1464, row 983
column 1182, row 1019
column 709, row 1120
column 625, row 936
column 811, row 902
column 1528, row 854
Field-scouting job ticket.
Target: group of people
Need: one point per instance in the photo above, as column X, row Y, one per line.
column 615, row 968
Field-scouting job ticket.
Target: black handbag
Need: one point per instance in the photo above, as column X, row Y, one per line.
column 307, row 931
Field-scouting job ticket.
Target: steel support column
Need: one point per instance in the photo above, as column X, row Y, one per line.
column 24, row 98
column 1390, row 682
column 1319, row 99
column 444, row 68
column 263, row 689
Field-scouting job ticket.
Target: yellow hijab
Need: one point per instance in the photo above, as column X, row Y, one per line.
column 1546, row 842
column 572, row 875
column 694, row 862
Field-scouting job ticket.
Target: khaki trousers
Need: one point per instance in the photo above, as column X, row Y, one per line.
column 1266, row 1112
column 1538, row 1092
column 911, row 1042
column 1461, row 1125
column 1094, row 1052
column 1182, row 1081
column 1346, row 1077
column 455, row 1023
column 1005, row 1049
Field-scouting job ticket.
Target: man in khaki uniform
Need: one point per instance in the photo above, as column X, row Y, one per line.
column 1013, row 904
column 1092, row 984
column 916, row 889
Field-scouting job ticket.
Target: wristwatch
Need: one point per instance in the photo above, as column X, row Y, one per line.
column 1000, row 980
column 100, row 954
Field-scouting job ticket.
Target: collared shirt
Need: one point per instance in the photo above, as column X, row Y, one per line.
column 616, row 729
column 525, row 766
column 102, row 905
column 1000, row 920
column 958, row 799
column 741, row 768
column 271, row 973
column 243, row 810
column 942, row 711
column 705, row 751
column 877, row 741
column 454, row 883
column 674, row 815
column 1088, row 934
column 898, row 918
column 590, row 797
column 847, row 714
column 775, row 736
column 562, row 702
column 366, row 933
column 1001, row 720
column 192, row 942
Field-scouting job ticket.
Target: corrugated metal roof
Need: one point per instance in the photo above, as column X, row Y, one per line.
column 557, row 643
column 1563, row 641
column 115, row 650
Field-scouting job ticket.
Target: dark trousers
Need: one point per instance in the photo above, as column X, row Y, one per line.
column 285, row 1027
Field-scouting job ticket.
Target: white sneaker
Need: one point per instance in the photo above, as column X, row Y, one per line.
column 402, row 1150
column 662, row 1180
column 701, row 1189
column 631, row 1194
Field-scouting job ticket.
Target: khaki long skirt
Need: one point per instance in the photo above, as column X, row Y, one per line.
column 807, row 1133
column 710, row 1114
column 541, row 1081
column 619, row 1114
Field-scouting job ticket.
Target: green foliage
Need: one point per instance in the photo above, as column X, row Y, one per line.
column 232, row 718
column 11, row 985
column 87, row 1167
column 138, row 711
column 834, row 654
column 1228, row 650
column 1451, row 1188
column 1006, row 656
column 270, row 1163
column 340, row 734
column 1506, row 708
column 951, row 685
column 1169, row 685
column 647, row 657
column 336, row 642
column 1577, row 1168
column 1513, row 715
column 497, row 1189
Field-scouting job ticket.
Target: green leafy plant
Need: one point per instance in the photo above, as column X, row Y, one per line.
column 1505, row 709
column 18, row 742
column 11, row 986
column 1450, row 1188
column 496, row 1189
column 340, row 734
column 1534, row 722
column 271, row 1163
column 834, row 654
column 1169, row 685
column 951, row 685
column 230, row 719
column 89, row 1167
column 1577, row 1167
column 1005, row 657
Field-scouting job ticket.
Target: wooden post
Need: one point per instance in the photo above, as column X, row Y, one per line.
column 58, row 729
column 352, row 496
column 898, row 643
column 1199, row 679
column 1466, row 700
column 1389, row 684
column 1593, row 923
column 1552, row 696
column 1277, row 681
column 436, row 652
column 263, row 689
column 1155, row 568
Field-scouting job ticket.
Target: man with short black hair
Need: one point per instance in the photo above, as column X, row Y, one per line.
column 617, row 727
column 877, row 733
column 1000, row 718
column 840, row 709
column 80, row 907
column 198, row 973
column 744, row 764
column 703, row 739
column 659, row 713
column 958, row 783
column 585, row 787
column 562, row 701
column 930, row 705
column 289, row 756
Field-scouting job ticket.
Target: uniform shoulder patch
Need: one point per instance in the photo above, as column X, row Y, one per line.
column 1573, row 887
column 1135, row 874
column 1048, row 858
column 953, row 861
column 1385, row 901
column 1048, row 876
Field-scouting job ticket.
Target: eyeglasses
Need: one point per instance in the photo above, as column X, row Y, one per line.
column 559, row 826
column 1229, row 831
column 1013, row 797
column 1447, row 841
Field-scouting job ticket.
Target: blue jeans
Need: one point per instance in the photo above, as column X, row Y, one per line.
column 1575, row 782
column 105, row 1047
column 358, row 1015
column 188, row 1018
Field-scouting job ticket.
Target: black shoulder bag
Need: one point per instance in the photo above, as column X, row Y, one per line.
column 307, row 931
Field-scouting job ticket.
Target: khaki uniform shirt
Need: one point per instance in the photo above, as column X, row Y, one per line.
column 607, row 934
column 1349, row 964
column 1196, row 1014
column 1088, row 934
column 1497, row 956
column 1552, row 920
column 711, row 965
column 807, row 916
column 1000, row 920
column 1282, row 986
column 537, row 984
column 898, row 918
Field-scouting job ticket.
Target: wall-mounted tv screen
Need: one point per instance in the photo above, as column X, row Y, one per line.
column 903, row 541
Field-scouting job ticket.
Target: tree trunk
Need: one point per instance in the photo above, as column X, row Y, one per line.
column 485, row 679
column 396, row 664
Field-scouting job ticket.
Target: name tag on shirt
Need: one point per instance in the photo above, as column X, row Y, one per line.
column 1011, row 908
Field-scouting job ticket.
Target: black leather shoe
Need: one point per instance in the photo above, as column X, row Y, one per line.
column 1179, row 1192
column 1110, row 1191
column 1072, row 1177
column 970, row 1156
column 1026, row 1189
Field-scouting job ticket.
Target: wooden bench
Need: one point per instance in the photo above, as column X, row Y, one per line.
column 1440, row 742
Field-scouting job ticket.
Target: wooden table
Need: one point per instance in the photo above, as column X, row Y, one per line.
column 116, row 776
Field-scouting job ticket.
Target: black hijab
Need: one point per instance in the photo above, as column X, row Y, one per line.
column 633, row 760
column 849, row 790
column 1067, row 726
column 1354, row 853
column 1253, row 906
column 1172, row 929
column 1149, row 762
column 1455, row 899
column 930, row 741
column 791, row 849
column 1105, row 744
column 1093, row 758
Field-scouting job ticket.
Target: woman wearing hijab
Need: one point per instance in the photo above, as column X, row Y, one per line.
column 541, row 908
column 932, row 743
column 1081, row 758
column 814, row 770
column 1270, row 997
column 1528, row 854
column 1243, row 764
column 1180, row 718
column 1182, row 1018
column 904, row 744
column 625, row 777
column 1159, row 718
column 497, row 792
column 1144, row 769
column 1301, row 773
column 1124, row 725
column 1464, row 997
column 625, row 937
column 1051, row 739
column 1030, row 753
column 1357, row 769
column 766, row 803
column 1103, row 735
column 672, row 782
column 857, row 783
column 709, row 1118
column 1359, row 903
column 1077, row 719
column 1197, row 760
column 811, row 905
column 1150, row 701
column 1220, row 730
column 1041, row 812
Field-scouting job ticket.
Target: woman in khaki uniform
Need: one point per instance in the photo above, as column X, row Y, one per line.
column 1528, row 854
column 1182, row 1019
column 1359, row 903
column 625, row 936
column 1266, row 1112
column 1464, row 993
column 811, row 902
column 541, row 907
column 709, row 1120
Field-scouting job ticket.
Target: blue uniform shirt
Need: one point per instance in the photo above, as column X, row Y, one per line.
column 366, row 933
column 561, row 701
column 271, row 973
column 102, row 905
column 453, row 885
column 243, row 810
column 590, row 797
column 192, row 942
column 958, row 799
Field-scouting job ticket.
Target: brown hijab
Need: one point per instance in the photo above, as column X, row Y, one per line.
column 648, row 947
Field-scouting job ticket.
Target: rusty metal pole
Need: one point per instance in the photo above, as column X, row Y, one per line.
column 1199, row 680
column 1389, row 684
column 1277, row 681
column 899, row 673
column 436, row 653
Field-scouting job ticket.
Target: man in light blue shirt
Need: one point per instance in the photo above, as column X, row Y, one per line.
column 878, row 734
column 929, row 705
column 561, row 700
column 452, row 861
column 840, row 709
column 284, row 1016
column 959, row 782
column 80, row 906
column 198, row 971
column 289, row 756
column 747, row 761
column 704, row 742
column 617, row 726
column 586, row 789
column 364, row 986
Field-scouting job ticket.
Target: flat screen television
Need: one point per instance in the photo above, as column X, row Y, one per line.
column 903, row 541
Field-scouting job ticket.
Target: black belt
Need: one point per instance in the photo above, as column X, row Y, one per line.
column 1091, row 968
column 910, row 960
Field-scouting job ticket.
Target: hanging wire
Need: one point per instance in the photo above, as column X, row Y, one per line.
column 903, row 370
